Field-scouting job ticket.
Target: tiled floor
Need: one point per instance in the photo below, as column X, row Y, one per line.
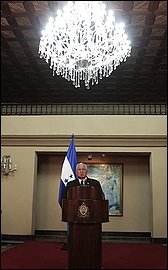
column 6, row 247
column 7, row 244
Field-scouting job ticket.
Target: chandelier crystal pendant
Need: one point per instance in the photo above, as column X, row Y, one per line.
column 84, row 43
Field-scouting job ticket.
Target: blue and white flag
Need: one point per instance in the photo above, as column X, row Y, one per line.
column 68, row 169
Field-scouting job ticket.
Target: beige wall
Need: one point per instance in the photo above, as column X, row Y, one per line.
column 132, row 138
column 84, row 125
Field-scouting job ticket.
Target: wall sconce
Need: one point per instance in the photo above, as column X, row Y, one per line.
column 90, row 156
column 7, row 166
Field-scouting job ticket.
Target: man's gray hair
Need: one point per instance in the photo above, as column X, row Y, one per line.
column 81, row 163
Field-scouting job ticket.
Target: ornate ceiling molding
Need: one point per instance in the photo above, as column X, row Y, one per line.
column 84, row 141
column 83, row 109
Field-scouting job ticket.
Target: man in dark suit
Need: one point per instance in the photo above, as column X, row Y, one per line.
column 82, row 179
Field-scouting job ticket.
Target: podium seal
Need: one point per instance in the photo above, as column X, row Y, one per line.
column 83, row 210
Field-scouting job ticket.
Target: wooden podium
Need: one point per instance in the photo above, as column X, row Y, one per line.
column 85, row 209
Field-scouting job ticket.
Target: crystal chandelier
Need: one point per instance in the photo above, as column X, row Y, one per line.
column 84, row 43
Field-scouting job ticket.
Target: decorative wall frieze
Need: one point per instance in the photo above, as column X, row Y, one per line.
column 83, row 109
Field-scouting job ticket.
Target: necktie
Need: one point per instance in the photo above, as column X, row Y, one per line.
column 82, row 183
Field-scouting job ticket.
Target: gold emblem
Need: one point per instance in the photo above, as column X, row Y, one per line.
column 83, row 210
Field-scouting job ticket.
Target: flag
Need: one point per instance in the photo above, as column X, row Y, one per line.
column 68, row 169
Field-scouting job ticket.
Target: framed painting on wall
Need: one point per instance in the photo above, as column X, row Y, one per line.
column 110, row 176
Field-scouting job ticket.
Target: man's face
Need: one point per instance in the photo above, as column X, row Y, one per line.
column 81, row 171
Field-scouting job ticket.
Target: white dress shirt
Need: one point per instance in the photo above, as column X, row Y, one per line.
column 82, row 180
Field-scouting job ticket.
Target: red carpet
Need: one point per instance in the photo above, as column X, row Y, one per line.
column 134, row 256
column 48, row 255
